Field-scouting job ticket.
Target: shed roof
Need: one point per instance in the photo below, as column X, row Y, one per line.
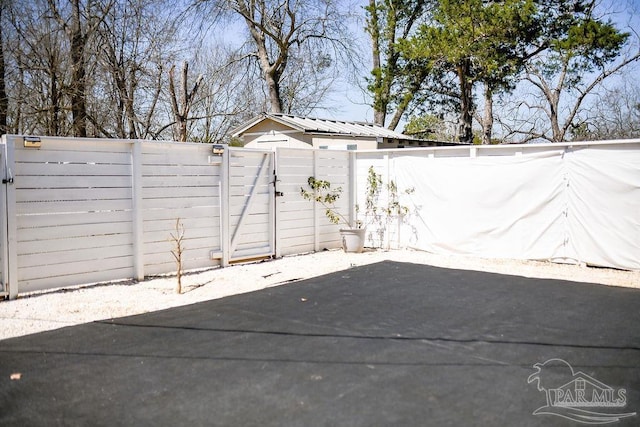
column 311, row 125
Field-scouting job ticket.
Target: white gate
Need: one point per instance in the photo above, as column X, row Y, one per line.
column 302, row 225
column 248, row 217
column 265, row 214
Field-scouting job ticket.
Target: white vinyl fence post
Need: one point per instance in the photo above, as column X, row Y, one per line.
column 278, row 204
column 353, row 188
column 136, row 182
column 316, row 221
column 272, row 201
column 4, row 253
column 225, row 239
column 11, row 253
column 387, row 231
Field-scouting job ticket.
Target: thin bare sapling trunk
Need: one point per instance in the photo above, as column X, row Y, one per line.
column 177, row 252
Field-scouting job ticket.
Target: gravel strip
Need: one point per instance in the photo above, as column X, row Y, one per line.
column 41, row 311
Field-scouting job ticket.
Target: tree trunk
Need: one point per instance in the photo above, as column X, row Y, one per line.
column 554, row 102
column 54, row 115
column 465, row 123
column 181, row 111
column 379, row 104
column 270, row 70
column 129, row 106
column 487, row 120
column 179, row 120
column 78, row 83
column 4, row 101
column 273, row 87
column 402, row 106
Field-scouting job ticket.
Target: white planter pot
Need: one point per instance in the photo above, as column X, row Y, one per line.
column 353, row 239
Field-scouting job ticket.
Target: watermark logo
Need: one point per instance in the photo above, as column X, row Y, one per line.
column 576, row 395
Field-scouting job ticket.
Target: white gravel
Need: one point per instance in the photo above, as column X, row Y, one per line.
column 41, row 311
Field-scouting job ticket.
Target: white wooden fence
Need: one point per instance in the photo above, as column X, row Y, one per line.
column 78, row 211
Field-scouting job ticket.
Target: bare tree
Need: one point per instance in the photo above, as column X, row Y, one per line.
column 284, row 31
column 79, row 23
column 134, row 43
column 4, row 101
column 613, row 114
column 552, row 92
column 182, row 107
column 38, row 75
column 226, row 96
column 178, row 253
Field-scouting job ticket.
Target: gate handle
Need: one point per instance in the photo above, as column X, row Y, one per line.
column 8, row 180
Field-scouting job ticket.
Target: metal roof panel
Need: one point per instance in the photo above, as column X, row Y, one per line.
column 313, row 125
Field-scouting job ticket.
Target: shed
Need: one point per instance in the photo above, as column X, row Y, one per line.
column 283, row 130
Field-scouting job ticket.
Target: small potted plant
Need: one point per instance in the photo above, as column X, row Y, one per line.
column 353, row 236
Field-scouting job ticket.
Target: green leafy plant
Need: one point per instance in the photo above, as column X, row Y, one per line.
column 375, row 212
column 320, row 191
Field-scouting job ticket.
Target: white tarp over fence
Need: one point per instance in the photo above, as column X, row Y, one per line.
column 576, row 203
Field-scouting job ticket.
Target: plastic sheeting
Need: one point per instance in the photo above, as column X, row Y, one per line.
column 577, row 204
column 604, row 205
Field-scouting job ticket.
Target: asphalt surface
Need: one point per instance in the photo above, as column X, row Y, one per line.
column 388, row 344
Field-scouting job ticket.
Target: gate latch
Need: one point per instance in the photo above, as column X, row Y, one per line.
column 9, row 179
column 279, row 194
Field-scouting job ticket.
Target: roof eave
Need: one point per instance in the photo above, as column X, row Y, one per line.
column 247, row 125
column 261, row 117
column 355, row 135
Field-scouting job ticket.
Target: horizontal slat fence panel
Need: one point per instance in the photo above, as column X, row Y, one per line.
column 179, row 184
column 75, row 169
column 36, row 247
column 89, row 210
column 59, row 187
column 100, row 275
column 79, row 254
column 302, row 225
column 74, row 181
